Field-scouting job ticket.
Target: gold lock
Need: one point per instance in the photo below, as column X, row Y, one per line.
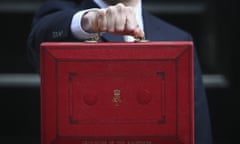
column 94, row 39
column 140, row 39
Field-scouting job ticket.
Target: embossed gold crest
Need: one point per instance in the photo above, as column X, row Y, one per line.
column 116, row 97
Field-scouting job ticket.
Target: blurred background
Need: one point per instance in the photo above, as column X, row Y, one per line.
column 212, row 23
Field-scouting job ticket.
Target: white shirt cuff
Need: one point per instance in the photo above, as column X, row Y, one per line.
column 76, row 27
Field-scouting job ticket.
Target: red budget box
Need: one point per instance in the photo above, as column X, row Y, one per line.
column 117, row 93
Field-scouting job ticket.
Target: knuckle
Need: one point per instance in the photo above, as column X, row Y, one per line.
column 130, row 9
column 120, row 6
column 101, row 14
column 110, row 10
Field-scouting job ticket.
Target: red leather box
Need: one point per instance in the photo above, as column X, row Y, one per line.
column 117, row 93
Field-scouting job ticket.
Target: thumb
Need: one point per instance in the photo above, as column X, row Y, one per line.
column 89, row 22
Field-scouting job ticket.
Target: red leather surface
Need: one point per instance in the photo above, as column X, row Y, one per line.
column 123, row 93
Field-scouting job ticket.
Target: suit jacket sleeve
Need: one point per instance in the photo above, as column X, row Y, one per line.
column 50, row 23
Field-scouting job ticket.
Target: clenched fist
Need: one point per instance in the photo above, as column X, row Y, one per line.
column 117, row 19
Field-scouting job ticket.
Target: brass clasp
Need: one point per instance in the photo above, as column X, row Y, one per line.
column 140, row 39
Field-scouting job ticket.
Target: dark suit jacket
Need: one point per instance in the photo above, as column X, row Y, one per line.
column 52, row 23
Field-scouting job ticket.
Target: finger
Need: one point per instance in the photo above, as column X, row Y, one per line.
column 131, row 20
column 110, row 19
column 102, row 21
column 120, row 18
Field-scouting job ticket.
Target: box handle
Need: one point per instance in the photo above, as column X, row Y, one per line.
column 96, row 39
